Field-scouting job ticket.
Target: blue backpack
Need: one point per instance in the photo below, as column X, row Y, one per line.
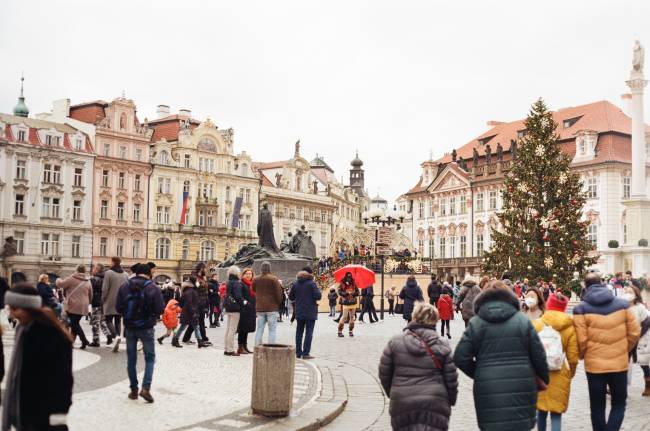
column 138, row 314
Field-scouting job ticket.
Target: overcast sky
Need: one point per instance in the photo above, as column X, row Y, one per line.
column 394, row 80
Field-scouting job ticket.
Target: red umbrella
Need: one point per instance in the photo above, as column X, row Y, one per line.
column 363, row 277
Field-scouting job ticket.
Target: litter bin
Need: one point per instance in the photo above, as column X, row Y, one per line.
column 272, row 391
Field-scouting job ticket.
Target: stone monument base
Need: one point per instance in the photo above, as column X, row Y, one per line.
column 284, row 269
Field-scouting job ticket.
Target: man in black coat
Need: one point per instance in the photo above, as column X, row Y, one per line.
column 434, row 290
column 96, row 315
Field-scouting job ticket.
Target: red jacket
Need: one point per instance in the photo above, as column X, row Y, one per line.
column 170, row 315
column 445, row 307
column 222, row 290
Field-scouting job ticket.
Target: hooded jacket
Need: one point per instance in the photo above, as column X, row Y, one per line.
column 78, row 293
column 420, row 393
column 468, row 294
column 170, row 315
column 306, row 295
column 190, row 304
column 607, row 330
column 556, row 398
column 501, row 351
column 410, row 294
column 96, row 282
column 114, row 278
column 445, row 307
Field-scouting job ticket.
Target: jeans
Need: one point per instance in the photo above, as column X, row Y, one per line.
column 231, row 330
column 556, row 421
column 76, row 327
column 332, row 310
column 306, row 326
column 148, row 349
column 113, row 324
column 270, row 317
column 182, row 328
column 598, row 383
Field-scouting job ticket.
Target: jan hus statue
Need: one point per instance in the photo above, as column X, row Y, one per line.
column 265, row 230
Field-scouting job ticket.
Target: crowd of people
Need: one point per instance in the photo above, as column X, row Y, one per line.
column 520, row 347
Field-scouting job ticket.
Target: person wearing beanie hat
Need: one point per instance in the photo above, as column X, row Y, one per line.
column 555, row 399
column 36, row 397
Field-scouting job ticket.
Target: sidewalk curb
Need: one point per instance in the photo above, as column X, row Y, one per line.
column 328, row 405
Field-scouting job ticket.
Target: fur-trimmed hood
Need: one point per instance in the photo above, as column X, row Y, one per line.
column 496, row 305
column 304, row 275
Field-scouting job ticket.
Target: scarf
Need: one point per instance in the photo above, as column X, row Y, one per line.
column 249, row 283
column 11, row 405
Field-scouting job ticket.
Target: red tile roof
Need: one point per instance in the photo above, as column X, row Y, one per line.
column 601, row 117
column 8, row 133
column 269, row 165
column 419, row 187
column 33, row 137
column 90, row 112
column 169, row 127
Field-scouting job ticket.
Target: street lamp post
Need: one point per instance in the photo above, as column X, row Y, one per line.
column 379, row 218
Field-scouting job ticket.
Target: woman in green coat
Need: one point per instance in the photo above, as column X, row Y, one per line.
column 501, row 351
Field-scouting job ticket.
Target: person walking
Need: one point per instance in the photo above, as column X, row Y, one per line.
column 96, row 316
column 367, row 303
column 607, row 331
column 410, row 294
column 140, row 303
column 203, row 303
column 268, row 300
column 37, row 396
column 501, row 352
column 418, row 375
column 434, row 290
column 641, row 354
column 468, row 293
column 331, row 298
column 233, row 302
column 47, row 294
column 348, row 291
column 78, row 295
column 556, row 327
column 170, row 320
column 247, row 315
column 390, row 296
column 189, row 314
column 114, row 278
column 534, row 301
column 446, row 311
column 213, row 301
column 306, row 294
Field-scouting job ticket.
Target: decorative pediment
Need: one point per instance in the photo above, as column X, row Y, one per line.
column 137, row 197
column 462, row 228
column 442, row 229
column 451, row 228
column 105, row 194
column 594, row 216
column 78, row 193
column 52, row 189
column 421, row 233
column 451, row 178
column 432, row 231
column 122, row 195
column 21, row 188
column 480, row 226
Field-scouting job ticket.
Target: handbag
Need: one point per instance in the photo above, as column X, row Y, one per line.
column 399, row 308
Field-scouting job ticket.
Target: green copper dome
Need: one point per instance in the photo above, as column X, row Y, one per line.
column 21, row 110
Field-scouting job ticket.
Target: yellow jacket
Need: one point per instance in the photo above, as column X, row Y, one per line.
column 556, row 398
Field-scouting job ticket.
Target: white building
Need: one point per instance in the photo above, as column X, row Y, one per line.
column 46, row 194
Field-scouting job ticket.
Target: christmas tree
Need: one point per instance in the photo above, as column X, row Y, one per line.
column 541, row 235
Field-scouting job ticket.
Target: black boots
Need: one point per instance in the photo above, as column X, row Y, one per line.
column 175, row 343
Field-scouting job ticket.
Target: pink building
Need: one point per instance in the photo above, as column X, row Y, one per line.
column 121, row 179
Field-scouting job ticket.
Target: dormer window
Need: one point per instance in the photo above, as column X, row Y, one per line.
column 164, row 158
column 77, row 144
column 21, row 136
column 569, row 122
column 521, row 133
column 52, row 141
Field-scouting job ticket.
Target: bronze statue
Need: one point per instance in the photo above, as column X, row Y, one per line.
column 475, row 157
column 265, row 230
column 499, row 151
column 488, row 154
column 513, row 148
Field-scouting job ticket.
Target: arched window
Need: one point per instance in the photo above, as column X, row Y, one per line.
column 186, row 250
column 164, row 158
column 207, row 251
column 123, row 121
column 162, row 248
column 298, row 183
column 244, row 170
column 186, row 186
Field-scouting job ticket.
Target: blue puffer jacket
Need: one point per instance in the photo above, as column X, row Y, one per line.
column 306, row 294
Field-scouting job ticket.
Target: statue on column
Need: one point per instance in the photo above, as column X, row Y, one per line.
column 474, row 158
column 488, row 154
column 513, row 148
column 499, row 152
column 638, row 59
column 297, row 152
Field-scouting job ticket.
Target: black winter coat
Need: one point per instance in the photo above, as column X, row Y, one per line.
column 247, row 314
column 47, row 295
column 96, row 282
column 420, row 393
column 234, row 290
column 44, row 389
column 213, row 293
column 190, row 305
column 501, row 351
column 434, row 290
column 410, row 294
column 306, row 294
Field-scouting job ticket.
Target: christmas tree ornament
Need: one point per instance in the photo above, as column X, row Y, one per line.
column 548, row 262
column 539, row 151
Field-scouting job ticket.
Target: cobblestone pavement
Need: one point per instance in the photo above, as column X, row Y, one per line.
column 203, row 390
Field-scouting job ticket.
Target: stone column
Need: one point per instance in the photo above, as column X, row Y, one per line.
column 638, row 186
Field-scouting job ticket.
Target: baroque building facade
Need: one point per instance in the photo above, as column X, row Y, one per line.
column 301, row 193
column 203, row 204
column 46, row 185
column 454, row 203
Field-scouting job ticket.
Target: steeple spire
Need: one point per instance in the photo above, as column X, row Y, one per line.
column 21, row 110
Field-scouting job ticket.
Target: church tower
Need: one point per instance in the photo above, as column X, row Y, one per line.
column 357, row 182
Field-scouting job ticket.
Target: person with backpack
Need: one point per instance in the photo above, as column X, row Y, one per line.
column 466, row 297
column 558, row 335
column 140, row 302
